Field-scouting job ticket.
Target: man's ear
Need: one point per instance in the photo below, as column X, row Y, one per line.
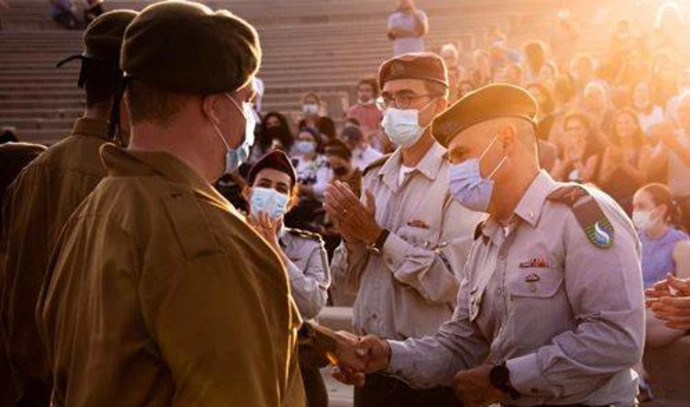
column 209, row 106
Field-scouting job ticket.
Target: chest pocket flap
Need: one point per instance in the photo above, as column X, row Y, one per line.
column 538, row 282
column 189, row 224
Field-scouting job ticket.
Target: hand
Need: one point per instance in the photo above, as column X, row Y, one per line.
column 356, row 220
column 474, row 389
column 671, row 286
column 674, row 311
column 266, row 228
column 372, row 355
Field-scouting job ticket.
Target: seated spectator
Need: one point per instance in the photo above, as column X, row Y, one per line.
column 647, row 113
column 545, row 116
column 340, row 160
column 314, row 116
column 513, row 74
column 8, row 135
column 466, row 86
column 92, row 9
column 483, row 71
column 407, row 27
column 451, row 56
column 582, row 70
column 547, row 75
column 683, row 86
column 312, row 169
column 580, row 149
column 621, row 174
column 365, row 110
column 672, row 158
column 362, row 152
column 63, row 14
column 274, row 134
column 535, row 59
column 595, row 102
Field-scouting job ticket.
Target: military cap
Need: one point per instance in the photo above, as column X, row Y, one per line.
column 102, row 39
column 276, row 160
column 486, row 103
column 416, row 65
column 186, row 47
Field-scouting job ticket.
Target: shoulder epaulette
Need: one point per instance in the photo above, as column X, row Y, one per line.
column 376, row 163
column 304, row 234
column 588, row 213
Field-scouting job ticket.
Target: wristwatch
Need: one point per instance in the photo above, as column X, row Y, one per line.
column 380, row 241
column 499, row 376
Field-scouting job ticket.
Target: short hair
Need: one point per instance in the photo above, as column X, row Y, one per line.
column 148, row 102
column 371, row 82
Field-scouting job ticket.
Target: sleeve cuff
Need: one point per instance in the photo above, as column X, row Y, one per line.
column 526, row 377
column 396, row 365
column 394, row 251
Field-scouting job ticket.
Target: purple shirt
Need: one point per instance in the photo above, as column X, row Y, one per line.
column 657, row 255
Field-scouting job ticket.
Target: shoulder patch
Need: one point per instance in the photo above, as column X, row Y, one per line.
column 376, row 163
column 304, row 234
column 589, row 215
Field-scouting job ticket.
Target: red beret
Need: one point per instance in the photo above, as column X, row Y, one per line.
column 417, row 65
column 276, row 160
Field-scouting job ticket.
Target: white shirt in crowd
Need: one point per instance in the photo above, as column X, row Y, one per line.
column 362, row 158
column 406, row 21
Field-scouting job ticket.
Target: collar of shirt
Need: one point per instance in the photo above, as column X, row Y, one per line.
column 119, row 161
column 91, row 127
column 429, row 165
column 528, row 209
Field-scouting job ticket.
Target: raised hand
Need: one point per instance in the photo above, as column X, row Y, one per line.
column 357, row 221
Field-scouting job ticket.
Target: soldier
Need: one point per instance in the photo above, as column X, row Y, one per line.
column 272, row 193
column 551, row 310
column 44, row 196
column 160, row 293
column 405, row 245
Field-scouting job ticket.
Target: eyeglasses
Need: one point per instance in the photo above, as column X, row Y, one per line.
column 402, row 100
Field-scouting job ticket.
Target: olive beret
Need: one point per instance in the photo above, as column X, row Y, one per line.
column 276, row 160
column 102, row 39
column 186, row 47
column 486, row 103
column 416, row 65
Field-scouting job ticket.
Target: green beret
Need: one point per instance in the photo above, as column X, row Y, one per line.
column 416, row 65
column 186, row 47
column 102, row 39
column 486, row 103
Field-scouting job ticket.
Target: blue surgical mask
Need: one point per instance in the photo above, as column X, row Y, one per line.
column 467, row 185
column 268, row 200
column 402, row 126
column 234, row 157
column 305, row 147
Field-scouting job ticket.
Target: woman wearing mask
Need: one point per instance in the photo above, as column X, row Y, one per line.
column 314, row 117
column 665, row 250
column 274, row 134
column 271, row 194
column 620, row 175
column 313, row 173
column 647, row 113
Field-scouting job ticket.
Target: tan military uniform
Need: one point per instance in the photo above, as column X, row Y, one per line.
column 308, row 270
column 558, row 299
column 410, row 288
column 162, row 295
column 36, row 207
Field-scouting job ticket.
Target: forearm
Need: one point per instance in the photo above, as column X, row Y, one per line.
column 309, row 293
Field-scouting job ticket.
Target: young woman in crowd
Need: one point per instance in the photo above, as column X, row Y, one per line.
column 274, row 134
column 647, row 113
column 483, row 72
column 545, row 116
column 314, row 116
column 312, row 169
column 596, row 103
column 620, row 174
column 580, row 149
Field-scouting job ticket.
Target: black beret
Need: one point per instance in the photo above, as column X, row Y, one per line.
column 416, row 65
column 186, row 47
column 486, row 103
column 102, row 39
column 276, row 160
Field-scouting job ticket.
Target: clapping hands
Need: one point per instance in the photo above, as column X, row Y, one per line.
column 669, row 299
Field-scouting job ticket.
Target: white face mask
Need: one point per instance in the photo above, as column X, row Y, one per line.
column 644, row 220
column 402, row 126
column 310, row 109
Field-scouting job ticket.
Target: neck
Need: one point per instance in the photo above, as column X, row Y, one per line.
column 509, row 196
column 413, row 155
column 309, row 157
column 175, row 140
column 657, row 230
column 98, row 112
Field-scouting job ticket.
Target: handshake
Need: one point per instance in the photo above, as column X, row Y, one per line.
column 356, row 356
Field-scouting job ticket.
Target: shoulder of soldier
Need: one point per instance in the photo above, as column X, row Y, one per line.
column 478, row 230
column 590, row 208
column 376, row 163
column 303, row 234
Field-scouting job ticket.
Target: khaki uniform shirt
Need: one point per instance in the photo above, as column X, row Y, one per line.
column 566, row 315
column 308, row 270
column 35, row 208
column 410, row 289
column 162, row 295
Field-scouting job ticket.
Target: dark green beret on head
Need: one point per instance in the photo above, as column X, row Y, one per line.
column 186, row 47
column 415, row 65
column 486, row 103
column 103, row 37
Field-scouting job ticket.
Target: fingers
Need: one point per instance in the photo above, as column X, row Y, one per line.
column 371, row 201
column 683, row 286
column 348, row 376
